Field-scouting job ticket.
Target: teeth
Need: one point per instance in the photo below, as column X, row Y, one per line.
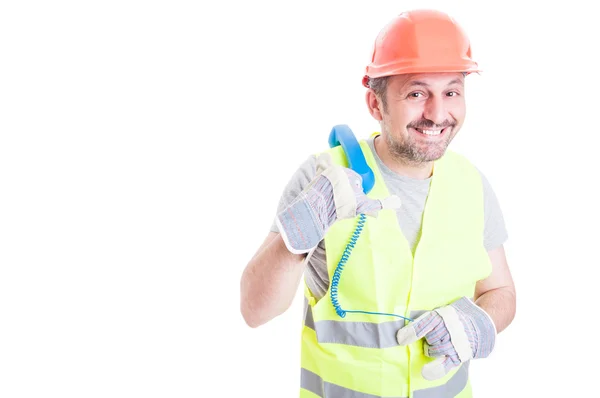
column 431, row 132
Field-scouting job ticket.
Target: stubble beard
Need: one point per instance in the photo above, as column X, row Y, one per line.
column 408, row 151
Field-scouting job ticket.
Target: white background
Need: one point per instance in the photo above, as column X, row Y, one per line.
column 144, row 146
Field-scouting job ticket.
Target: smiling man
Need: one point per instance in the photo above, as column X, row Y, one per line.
column 427, row 287
column 432, row 108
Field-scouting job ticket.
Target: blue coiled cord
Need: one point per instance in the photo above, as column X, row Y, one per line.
column 338, row 274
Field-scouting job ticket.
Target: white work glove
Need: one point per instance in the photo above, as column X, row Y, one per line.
column 335, row 193
column 453, row 334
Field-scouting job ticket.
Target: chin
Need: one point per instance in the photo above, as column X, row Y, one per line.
column 434, row 155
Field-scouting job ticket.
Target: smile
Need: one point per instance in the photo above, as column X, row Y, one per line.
column 432, row 133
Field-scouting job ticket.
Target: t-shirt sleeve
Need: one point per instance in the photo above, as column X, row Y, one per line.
column 299, row 180
column 495, row 233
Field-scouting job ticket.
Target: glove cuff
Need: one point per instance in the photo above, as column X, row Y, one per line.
column 299, row 227
column 479, row 325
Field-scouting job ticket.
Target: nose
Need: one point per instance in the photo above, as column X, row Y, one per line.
column 435, row 110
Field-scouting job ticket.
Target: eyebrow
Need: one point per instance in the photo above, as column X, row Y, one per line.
column 420, row 83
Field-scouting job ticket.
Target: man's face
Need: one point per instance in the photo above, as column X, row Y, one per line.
column 423, row 114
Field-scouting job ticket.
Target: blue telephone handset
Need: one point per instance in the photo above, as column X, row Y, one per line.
column 342, row 135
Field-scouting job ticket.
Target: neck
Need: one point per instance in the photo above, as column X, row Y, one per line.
column 402, row 167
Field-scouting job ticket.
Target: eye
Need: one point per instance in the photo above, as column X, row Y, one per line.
column 416, row 94
column 452, row 94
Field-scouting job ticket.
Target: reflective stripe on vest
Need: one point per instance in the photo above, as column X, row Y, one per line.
column 315, row 384
column 360, row 334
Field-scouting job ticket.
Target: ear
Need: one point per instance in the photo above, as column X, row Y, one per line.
column 375, row 106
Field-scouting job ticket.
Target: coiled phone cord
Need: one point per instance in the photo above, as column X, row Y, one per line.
column 338, row 274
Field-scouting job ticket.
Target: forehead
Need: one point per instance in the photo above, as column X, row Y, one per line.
column 432, row 80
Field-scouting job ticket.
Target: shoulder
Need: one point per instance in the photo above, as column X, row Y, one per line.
column 305, row 172
column 489, row 196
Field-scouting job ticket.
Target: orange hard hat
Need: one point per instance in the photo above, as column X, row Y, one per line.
column 420, row 41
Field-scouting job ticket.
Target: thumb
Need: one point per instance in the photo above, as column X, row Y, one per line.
column 371, row 207
column 437, row 368
column 391, row 202
column 368, row 206
column 416, row 329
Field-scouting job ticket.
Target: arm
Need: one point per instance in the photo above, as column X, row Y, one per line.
column 467, row 329
column 270, row 281
column 464, row 330
column 496, row 294
column 271, row 278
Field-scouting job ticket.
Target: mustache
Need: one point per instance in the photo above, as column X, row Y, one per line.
column 428, row 124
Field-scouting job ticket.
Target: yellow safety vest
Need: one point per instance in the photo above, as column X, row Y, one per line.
column 358, row 356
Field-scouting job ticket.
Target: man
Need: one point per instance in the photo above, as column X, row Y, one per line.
column 425, row 287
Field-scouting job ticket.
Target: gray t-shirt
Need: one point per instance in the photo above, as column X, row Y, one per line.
column 413, row 193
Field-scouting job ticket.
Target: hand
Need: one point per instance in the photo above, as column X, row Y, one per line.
column 453, row 334
column 334, row 194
